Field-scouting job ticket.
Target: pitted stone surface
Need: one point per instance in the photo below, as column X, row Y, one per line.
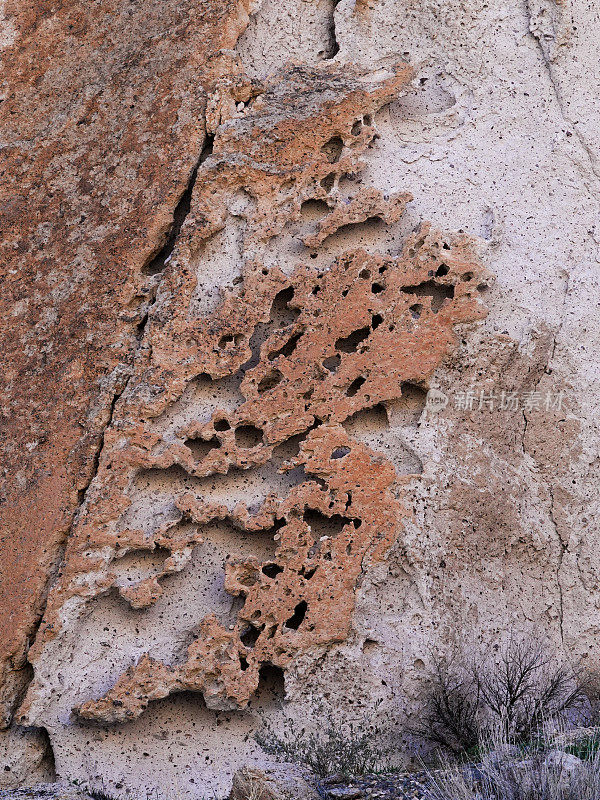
column 310, row 345
column 102, row 124
column 363, row 330
column 279, row 523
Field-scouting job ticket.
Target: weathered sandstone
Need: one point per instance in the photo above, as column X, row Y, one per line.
column 242, row 245
column 102, row 124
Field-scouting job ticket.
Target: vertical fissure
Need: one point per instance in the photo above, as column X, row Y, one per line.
column 155, row 266
column 159, row 261
column 333, row 46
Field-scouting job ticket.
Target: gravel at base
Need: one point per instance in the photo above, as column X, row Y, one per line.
column 386, row 786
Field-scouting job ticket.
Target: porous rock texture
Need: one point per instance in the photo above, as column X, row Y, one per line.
column 228, row 498
column 102, row 119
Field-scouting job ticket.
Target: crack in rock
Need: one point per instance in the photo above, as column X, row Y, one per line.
column 308, row 349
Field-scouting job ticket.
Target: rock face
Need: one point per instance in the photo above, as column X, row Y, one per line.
column 102, row 120
column 232, row 280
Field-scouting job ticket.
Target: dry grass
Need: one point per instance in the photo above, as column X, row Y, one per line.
column 506, row 772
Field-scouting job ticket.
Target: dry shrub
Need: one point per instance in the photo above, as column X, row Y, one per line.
column 333, row 748
column 513, row 689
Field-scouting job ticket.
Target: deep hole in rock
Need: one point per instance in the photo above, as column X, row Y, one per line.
column 259, row 337
column 355, row 386
column 442, row 270
column 368, row 420
column 287, row 349
column 322, row 525
column 272, row 570
column 230, row 339
column 272, row 632
column 200, row 448
column 280, row 316
column 376, row 321
column 290, row 448
column 366, row 234
column 271, row 679
column 438, row 293
column 307, row 572
column 349, row 344
column 267, row 535
column 332, row 47
column 281, row 313
column 328, row 181
column 203, row 381
column 229, row 540
column 249, row 637
column 414, row 249
column 298, row 475
column 278, row 524
column 161, row 259
column 298, row 616
column 248, row 436
column 221, row 425
column 250, row 486
column 210, row 396
column 413, row 394
column 340, row 452
column 332, row 149
column 270, row 381
column 416, row 310
column 154, row 479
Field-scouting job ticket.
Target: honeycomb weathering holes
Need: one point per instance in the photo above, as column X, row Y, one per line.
column 336, row 374
column 310, row 350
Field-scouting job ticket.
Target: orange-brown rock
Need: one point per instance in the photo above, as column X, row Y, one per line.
column 309, row 347
column 102, row 120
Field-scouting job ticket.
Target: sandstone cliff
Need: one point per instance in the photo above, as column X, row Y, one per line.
column 301, row 342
